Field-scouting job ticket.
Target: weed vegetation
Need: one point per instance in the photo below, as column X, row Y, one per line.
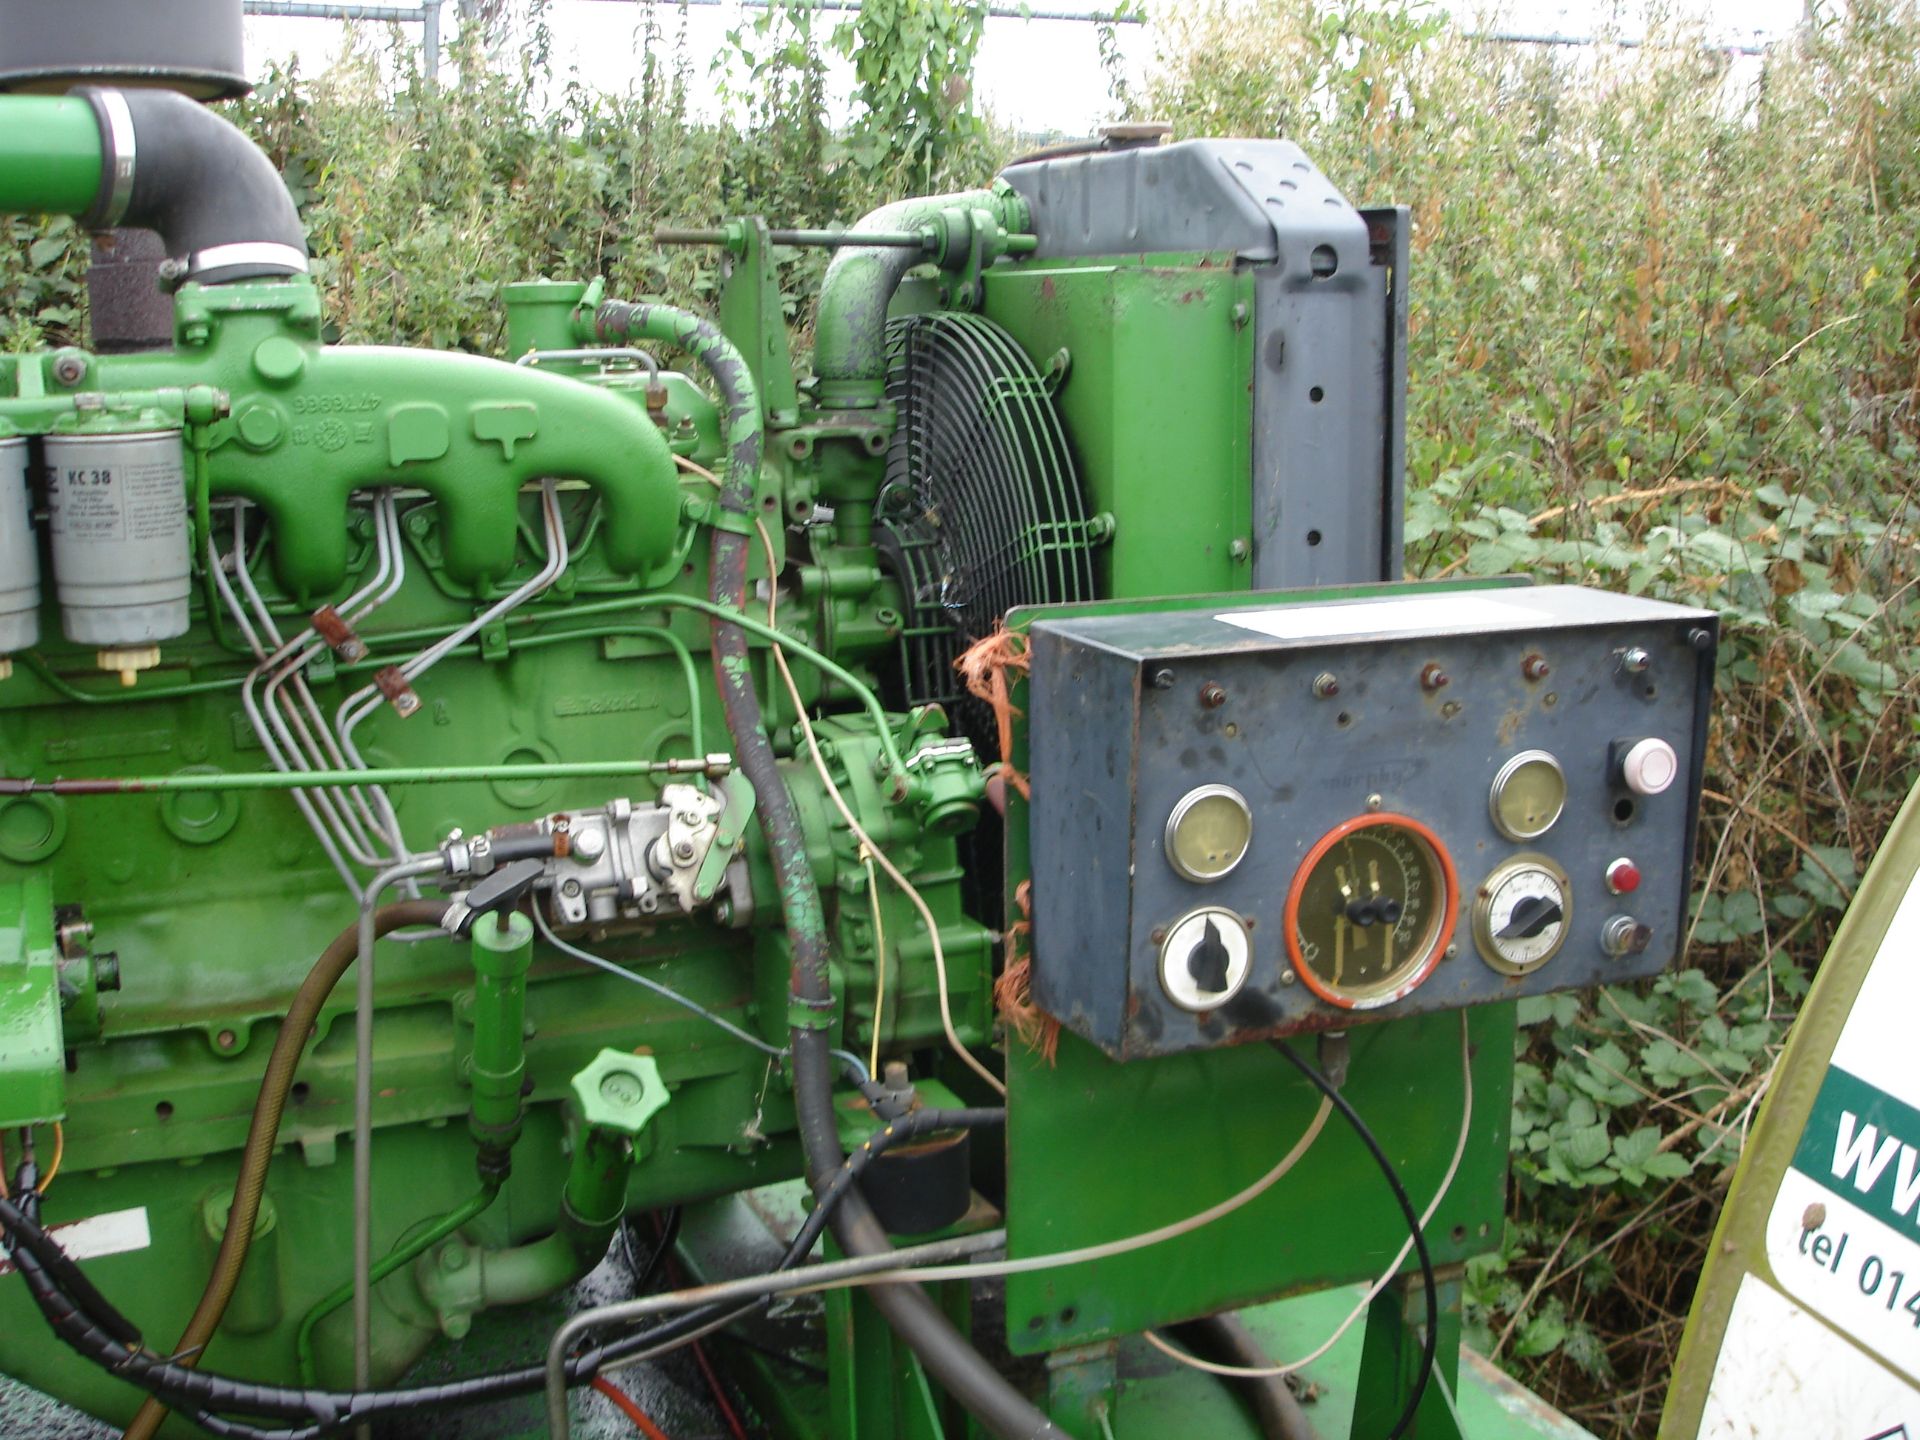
column 1666, row 338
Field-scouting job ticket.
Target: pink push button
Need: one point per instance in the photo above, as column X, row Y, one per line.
column 1649, row 767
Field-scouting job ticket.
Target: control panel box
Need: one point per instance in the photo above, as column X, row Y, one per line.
column 1257, row 818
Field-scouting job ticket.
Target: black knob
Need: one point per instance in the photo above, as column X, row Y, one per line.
column 1207, row 962
column 1531, row 916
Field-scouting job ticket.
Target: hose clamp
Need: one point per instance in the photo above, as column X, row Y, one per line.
column 259, row 254
column 120, row 146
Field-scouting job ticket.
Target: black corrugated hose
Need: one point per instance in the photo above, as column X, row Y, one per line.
column 949, row 1358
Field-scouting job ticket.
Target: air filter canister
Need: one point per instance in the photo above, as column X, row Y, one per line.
column 19, row 556
column 117, row 511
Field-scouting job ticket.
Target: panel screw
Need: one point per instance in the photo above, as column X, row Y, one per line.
column 1287, row 977
column 1158, row 935
column 1325, row 686
column 1213, row 695
column 1163, row 679
column 226, row 1039
column 1374, row 802
column 1432, row 677
column 1239, row 549
column 1535, row 667
column 69, row 369
column 1700, row 638
column 1634, row 660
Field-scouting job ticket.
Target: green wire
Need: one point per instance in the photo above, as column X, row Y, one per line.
column 408, row 1251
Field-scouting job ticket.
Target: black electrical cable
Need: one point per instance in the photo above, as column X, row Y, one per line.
column 1430, row 1341
column 197, row 1393
column 645, row 1275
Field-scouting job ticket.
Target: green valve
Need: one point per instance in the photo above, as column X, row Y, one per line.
column 620, row 1092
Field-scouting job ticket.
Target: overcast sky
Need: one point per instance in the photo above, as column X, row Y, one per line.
column 1033, row 75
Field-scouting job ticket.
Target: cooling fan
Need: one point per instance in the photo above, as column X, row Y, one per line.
column 981, row 510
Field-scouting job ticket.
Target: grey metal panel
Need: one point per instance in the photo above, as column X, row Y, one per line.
column 1307, row 764
column 1329, row 337
column 1084, row 825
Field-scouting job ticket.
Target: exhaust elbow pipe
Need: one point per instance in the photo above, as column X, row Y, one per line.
column 172, row 166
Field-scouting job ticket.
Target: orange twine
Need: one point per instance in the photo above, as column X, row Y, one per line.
column 985, row 667
column 1013, row 991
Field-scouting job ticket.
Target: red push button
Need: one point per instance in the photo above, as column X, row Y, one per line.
column 1623, row 876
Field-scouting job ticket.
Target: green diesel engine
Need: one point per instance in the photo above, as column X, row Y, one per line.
column 452, row 808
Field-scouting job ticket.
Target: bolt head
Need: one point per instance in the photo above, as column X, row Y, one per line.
column 1213, row 695
column 1325, row 685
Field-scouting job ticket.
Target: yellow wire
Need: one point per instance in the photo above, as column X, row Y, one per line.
column 879, row 962
column 870, row 851
column 59, row 1154
column 893, row 871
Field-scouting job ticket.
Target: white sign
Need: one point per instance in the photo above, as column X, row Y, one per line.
column 1843, row 1236
column 1782, row 1375
column 114, row 1233
column 1383, row 617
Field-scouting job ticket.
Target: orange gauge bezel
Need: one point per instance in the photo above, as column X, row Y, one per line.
column 1449, row 913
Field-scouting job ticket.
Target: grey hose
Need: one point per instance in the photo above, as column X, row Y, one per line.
column 1226, row 1340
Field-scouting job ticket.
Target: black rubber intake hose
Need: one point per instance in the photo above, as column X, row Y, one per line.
column 171, row 165
column 959, row 1368
column 1226, row 1340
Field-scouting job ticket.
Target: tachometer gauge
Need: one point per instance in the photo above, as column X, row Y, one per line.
column 1521, row 915
column 1370, row 911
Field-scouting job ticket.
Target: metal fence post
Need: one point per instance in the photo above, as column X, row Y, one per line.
column 430, row 41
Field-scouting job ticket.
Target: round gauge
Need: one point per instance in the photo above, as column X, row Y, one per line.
column 1205, row 958
column 1371, row 908
column 1208, row 832
column 1528, row 795
column 1522, row 914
